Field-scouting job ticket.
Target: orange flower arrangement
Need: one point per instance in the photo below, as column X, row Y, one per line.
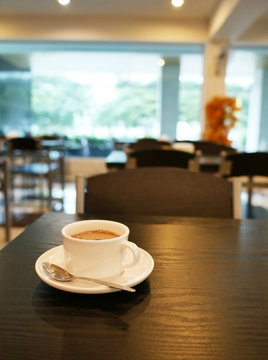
column 220, row 119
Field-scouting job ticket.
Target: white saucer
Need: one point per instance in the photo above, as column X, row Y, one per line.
column 130, row 277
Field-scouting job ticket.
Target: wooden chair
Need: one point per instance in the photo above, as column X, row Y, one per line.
column 158, row 191
column 161, row 157
column 4, row 187
column 248, row 166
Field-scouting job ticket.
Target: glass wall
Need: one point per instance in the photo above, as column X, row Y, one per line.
column 100, row 95
column 15, row 101
column 96, row 98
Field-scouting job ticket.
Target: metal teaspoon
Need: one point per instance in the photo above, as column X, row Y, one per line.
column 60, row 274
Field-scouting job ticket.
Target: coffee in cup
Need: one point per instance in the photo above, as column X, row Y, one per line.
column 97, row 234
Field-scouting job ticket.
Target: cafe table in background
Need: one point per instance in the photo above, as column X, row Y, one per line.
column 206, row 297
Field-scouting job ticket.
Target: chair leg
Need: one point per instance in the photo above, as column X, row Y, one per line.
column 80, row 181
column 62, row 176
column 41, row 189
column 237, row 206
column 49, row 189
column 249, row 204
column 6, row 201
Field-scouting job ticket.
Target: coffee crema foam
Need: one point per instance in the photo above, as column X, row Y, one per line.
column 95, row 235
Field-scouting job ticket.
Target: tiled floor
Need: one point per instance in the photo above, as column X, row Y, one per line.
column 259, row 204
column 23, row 210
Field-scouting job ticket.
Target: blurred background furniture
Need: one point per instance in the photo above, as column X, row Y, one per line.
column 210, row 148
column 147, row 143
column 34, row 163
column 210, row 158
column 252, row 168
column 138, row 154
column 120, row 157
column 183, row 146
column 55, row 148
column 116, row 160
column 4, row 187
column 157, row 191
column 161, row 157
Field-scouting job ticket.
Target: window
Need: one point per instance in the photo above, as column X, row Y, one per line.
column 96, row 95
column 15, row 101
column 93, row 98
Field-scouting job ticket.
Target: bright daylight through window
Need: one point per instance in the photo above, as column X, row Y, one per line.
column 95, row 98
column 98, row 96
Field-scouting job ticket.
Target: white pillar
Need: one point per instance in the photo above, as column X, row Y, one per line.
column 170, row 97
column 215, row 60
column 253, row 123
column 257, row 127
column 263, row 137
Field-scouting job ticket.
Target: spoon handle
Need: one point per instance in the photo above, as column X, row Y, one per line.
column 105, row 282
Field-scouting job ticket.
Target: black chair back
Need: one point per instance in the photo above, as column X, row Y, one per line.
column 160, row 157
column 24, row 144
column 155, row 191
column 246, row 164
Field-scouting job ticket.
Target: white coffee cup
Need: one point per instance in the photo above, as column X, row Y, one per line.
column 98, row 258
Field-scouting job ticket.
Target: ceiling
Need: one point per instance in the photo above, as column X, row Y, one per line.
column 202, row 9
column 153, row 8
column 234, row 22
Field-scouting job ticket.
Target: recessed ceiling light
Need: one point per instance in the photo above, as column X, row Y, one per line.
column 177, row 3
column 161, row 62
column 64, row 2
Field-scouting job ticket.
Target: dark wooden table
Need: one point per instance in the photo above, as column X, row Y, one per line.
column 207, row 297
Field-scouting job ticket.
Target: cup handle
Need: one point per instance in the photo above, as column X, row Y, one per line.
column 135, row 253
